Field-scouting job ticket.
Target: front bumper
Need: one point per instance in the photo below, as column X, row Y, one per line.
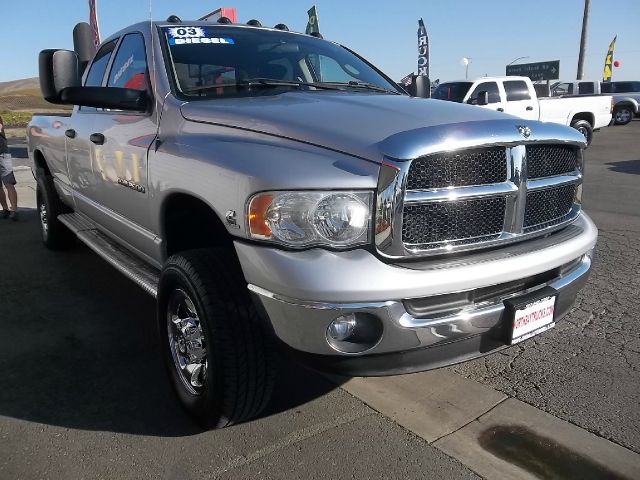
column 301, row 293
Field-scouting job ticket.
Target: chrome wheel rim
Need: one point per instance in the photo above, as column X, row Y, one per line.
column 44, row 223
column 584, row 131
column 623, row 115
column 186, row 342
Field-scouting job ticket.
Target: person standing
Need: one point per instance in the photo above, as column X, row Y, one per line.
column 7, row 179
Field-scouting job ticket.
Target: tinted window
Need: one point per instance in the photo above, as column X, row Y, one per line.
column 605, row 87
column 624, row 87
column 129, row 67
column 99, row 65
column 453, row 91
column 563, row 89
column 586, row 88
column 516, row 90
column 491, row 88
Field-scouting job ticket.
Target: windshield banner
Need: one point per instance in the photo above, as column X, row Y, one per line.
column 423, row 50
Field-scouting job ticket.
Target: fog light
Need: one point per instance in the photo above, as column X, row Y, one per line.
column 342, row 327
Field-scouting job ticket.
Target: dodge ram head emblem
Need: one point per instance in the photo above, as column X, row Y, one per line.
column 524, row 131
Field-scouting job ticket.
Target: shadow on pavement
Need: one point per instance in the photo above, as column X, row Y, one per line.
column 78, row 346
column 626, row 166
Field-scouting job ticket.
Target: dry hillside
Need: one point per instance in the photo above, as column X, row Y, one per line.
column 19, row 99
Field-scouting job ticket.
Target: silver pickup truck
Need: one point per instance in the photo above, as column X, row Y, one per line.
column 275, row 191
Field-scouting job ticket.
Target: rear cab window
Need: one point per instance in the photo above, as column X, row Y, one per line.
column 516, row 90
column 452, row 91
column 586, row 88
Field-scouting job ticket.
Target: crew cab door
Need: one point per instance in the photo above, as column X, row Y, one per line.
column 495, row 102
column 520, row 99
column 119, row 145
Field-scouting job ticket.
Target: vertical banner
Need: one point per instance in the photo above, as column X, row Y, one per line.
column 606, row 74
column 93, row 21
column 423, row 50
column 312, row 25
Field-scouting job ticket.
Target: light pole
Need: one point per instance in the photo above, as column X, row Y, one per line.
column 466, row 61
column 514, row 61
column 583, row 39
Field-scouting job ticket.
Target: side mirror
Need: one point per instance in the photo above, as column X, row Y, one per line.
column 58, row 69
column 114, row 98
column 423, row 87
column 483, row 98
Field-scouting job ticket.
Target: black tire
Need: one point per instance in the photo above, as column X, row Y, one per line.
column 55, row 235
column 240, row 361
column 622, row 114
column 584, row 128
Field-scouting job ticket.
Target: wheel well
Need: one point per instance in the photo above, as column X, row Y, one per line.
column 584, row 116
column 40, row 162
column 189, row 223
column 625, row 104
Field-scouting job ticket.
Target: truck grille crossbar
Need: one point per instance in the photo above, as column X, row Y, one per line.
column 475, row 198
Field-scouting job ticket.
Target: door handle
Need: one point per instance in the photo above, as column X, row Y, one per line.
column 529, row 108
column 97, row 138
column 71, row 133
column 500, row 109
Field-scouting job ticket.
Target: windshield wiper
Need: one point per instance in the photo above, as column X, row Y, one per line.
column 262, row 83
column 363, row 86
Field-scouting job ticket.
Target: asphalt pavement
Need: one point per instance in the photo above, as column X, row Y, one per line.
column 85, row 395
column 587, row 369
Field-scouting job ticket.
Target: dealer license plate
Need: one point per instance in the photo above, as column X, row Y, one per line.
column 532, row 317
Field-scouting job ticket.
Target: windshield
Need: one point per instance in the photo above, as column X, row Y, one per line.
column 453, row 91
column 224, row 61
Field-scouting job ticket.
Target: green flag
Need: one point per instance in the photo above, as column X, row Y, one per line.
column 312, row 25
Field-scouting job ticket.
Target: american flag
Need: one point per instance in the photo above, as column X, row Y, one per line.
column 93, row 21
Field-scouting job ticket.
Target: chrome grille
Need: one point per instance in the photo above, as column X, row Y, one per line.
column 429, row 224
column 469, row 167
column 551, row 160
column 476, row 197
column 548, row 207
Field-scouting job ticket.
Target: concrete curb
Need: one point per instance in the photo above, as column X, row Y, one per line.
column 457, row 415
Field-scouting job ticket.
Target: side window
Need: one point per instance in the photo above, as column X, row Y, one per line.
column 562, row 89
column 329, row 70
column 99, row 65
column 605, row 87
column 586, row 88
column 129, row 68
column 516, row 90
column 491, row 88
column 622, row 87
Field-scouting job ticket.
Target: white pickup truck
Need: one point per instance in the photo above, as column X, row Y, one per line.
column 517, row 96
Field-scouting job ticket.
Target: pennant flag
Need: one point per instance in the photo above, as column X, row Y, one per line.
column 423, row 50
column 93, row 21
column 408, row 80
column 606, row 74
column 312, row 25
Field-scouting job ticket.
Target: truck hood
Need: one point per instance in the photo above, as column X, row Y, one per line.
column 368, row 125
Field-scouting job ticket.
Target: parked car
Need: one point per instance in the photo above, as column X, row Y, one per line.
column 270, row 200
column 626, row 96
column 517, row 96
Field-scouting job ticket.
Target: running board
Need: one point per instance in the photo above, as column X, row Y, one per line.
column 128, row 264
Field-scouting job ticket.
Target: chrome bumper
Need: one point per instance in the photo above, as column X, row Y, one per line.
column 302, row 324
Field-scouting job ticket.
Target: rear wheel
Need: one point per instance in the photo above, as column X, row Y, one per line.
column 55, row 235
column 622, row 115
column 584, row 128
column 219, row 359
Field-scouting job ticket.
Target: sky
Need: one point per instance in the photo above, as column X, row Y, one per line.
column 491, row 32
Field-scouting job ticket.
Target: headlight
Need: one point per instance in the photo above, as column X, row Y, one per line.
column 300, row 219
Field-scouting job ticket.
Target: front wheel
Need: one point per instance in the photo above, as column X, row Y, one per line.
column 584, row 128
column 622, row 115
column 219, row 359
